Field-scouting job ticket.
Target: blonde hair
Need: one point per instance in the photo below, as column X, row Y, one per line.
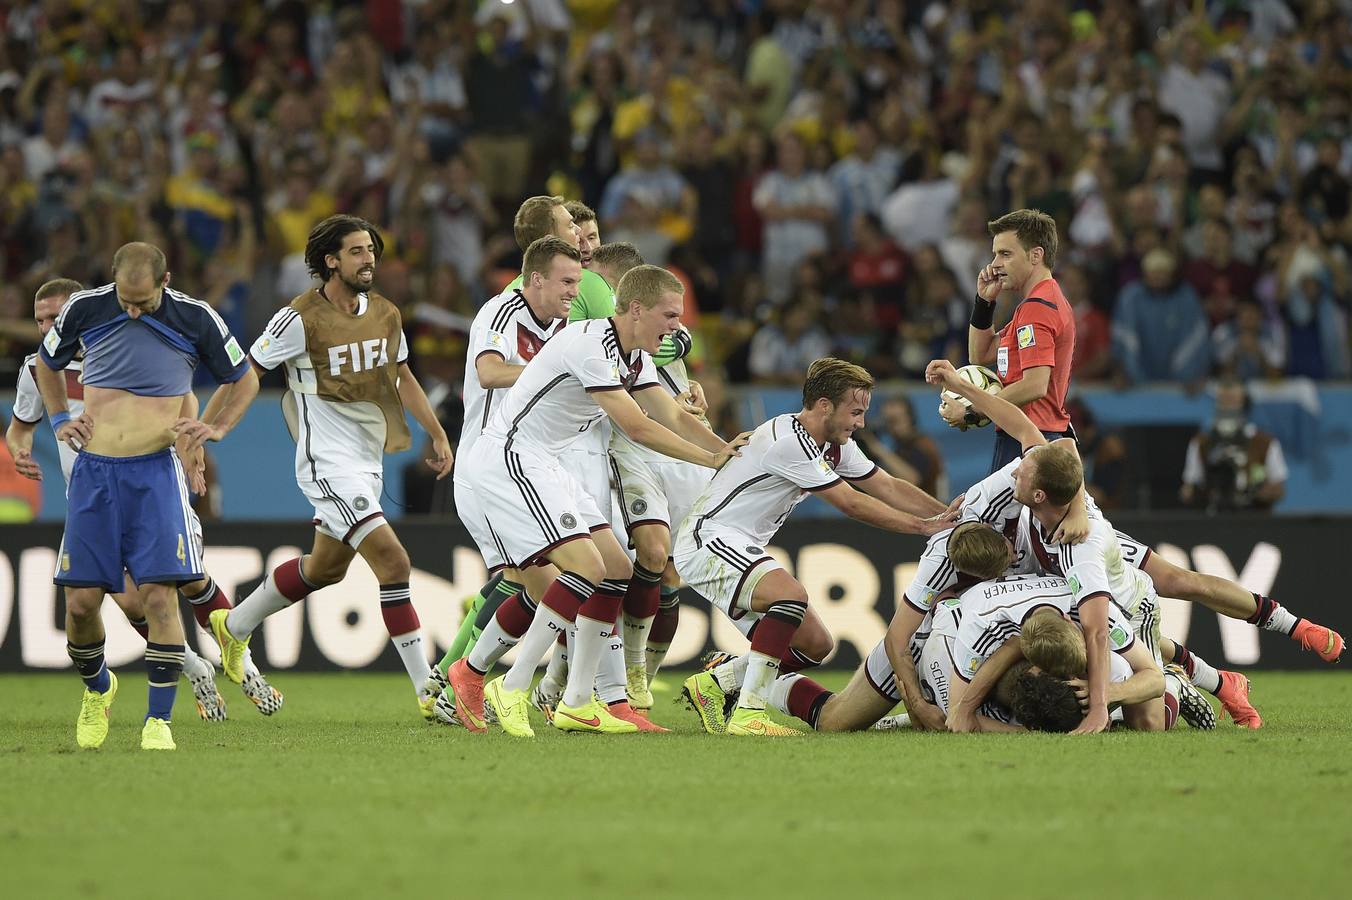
column 1059, row 474
column 977, row 549
column 646, row 284
column 1053, row 644
column 534, row 219
column 834, row 380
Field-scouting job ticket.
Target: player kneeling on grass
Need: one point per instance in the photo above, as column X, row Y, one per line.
column 720, row 549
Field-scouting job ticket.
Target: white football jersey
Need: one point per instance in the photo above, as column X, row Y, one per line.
column 29, row 408
column 1093, row 567
column 507, row 326
column 753, row 494
column 332, row 439
column 994, row 611
column 550, row 408
column 990, row 500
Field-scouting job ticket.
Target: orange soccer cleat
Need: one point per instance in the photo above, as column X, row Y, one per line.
column 1324, row 641
column 468, row 687
column 626, row 713
column 1234, row 697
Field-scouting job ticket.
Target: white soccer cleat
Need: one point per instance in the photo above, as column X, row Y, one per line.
column 546, row 697
column 210, row 703
column 444, row 712
column 261, row 694
column 892, row 723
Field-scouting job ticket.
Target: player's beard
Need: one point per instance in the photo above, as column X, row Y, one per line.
column 356, row 285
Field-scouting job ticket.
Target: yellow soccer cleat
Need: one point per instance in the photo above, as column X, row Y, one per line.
column 704, row 695
column 590, row 718
column 636, row 686
column 232, row 648
column 156, row 736
column 757, row 723
column 510, row 708
column 91, row 728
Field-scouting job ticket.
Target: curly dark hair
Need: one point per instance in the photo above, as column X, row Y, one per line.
column 327, row 237
column 1044, row 702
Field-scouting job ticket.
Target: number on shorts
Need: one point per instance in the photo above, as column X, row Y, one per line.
column 182, row 556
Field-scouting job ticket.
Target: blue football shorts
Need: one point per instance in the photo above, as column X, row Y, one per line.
column 128, row 514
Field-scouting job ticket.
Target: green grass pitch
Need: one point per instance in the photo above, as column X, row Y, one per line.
column 346, row 793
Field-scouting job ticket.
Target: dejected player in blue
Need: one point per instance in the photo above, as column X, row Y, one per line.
column 128, row 496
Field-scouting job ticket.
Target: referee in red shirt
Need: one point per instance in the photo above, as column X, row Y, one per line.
column 1032, row 353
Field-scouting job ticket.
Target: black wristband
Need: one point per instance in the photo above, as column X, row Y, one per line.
column 983, row 313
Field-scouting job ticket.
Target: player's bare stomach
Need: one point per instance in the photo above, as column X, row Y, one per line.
column 127, row 424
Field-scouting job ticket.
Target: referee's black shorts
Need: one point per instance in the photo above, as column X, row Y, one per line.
column 1007, row 449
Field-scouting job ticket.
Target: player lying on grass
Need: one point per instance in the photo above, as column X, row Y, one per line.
column 1113, row 555
column 720, row 549
column 203, row 595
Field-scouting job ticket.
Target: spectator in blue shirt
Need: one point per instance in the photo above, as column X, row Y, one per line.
column 1159, row 328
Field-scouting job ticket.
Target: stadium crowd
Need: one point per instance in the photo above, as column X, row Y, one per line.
column 820, row 175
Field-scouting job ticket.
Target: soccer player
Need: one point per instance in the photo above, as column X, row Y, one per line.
column 537, row 217
column 720, row 547
column 967, row 631
column 536, row 509
column 506, row 334
column 203, row 595
column 1047, row 482
column 1032, row 353
column 344, row 350
column 648, row 535
column 128, row 498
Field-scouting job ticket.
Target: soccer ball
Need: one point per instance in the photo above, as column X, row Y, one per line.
column 981, row 377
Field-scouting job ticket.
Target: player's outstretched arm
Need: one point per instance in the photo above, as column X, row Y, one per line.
column 897, row 644
column 19, row 439
column 901, row 495
column 415, row 401
column 625, row 413
column 965, row 698
column 659, row 405
column 1003, row 413
column 1094, row 622
column 872, row 511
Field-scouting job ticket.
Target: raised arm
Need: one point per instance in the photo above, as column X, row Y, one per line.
column 981, row 339
column 1000, row 411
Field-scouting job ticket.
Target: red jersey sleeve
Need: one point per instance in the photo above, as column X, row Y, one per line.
column 1035, row 326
